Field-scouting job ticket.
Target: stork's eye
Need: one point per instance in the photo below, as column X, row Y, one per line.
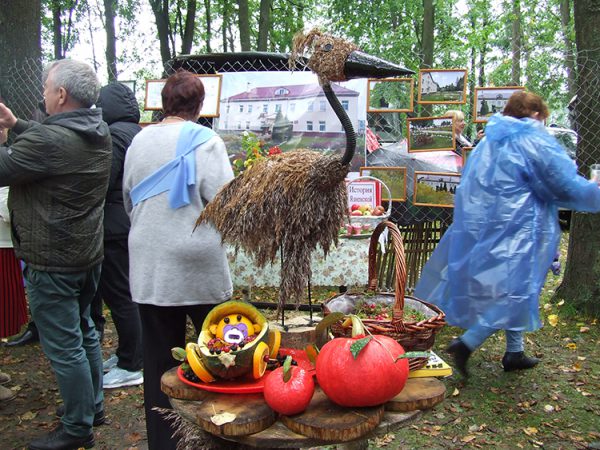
column 239, row 318
column 328, row 47
column 226, row 320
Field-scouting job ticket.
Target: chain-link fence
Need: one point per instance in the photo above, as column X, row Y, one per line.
column 422, row 225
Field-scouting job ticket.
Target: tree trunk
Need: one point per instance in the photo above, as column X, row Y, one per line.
column 565, row 22
column 208, row 26
column 427, row 34
column 161, row 15
column 244, row 25
column 20, row 56
column 580, row 286
column 516, row 42
column 111, row 41
column 57, row 30
column 225, row 25
column 190, row 26
column 264, row 25
column 427, row 45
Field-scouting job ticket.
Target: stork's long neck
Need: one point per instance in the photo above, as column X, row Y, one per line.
column 340, row 112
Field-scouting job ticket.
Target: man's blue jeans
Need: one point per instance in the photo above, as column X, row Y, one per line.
column 476, row 335
column 60, row 307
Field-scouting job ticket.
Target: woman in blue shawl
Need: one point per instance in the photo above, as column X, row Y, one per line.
column 488, row 270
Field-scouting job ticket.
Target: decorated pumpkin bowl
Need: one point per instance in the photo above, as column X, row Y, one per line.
column 235, row 341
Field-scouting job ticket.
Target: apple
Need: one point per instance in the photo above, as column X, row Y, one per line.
column 367, row 213
column 380, row 208
column 356, row 212
column 377, row 212
column 354, row 207
column 364, row 208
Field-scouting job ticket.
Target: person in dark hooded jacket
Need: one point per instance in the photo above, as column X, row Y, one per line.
column 121, row 112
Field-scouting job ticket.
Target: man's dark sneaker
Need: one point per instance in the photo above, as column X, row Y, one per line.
column 29, row 336
column 59, row 439
column 99, row 418
column 518, row 361
column 461, row 354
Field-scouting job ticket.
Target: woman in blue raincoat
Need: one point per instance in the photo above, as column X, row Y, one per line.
column 488, row 270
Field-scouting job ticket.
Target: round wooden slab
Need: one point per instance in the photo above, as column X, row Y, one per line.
column 171, row 385
column 327, row 421
column 418, row 393
column 251, row 413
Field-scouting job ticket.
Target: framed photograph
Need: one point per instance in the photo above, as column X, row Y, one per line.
column 390, row 95
column 426, row 134
column 435, row 188
column 466, row 152
column 393, row 177
column 153, row 100
column 212, row 99
column 129, row 83
column 445, row 86
column 490, row 100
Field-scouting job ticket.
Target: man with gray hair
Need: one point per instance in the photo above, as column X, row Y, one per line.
column 58, row 173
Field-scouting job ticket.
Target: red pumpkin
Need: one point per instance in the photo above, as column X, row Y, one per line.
column 374, row 377
column 289, row 389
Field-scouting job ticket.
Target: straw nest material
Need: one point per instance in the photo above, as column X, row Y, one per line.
column 291, row 202
column 328, row 54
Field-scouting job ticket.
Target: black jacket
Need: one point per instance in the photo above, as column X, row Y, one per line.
column 58, row 173
column 121, row 111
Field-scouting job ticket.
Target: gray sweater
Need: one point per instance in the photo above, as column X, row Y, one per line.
column 170, row 265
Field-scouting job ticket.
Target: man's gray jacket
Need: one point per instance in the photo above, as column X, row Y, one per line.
column 58, row 173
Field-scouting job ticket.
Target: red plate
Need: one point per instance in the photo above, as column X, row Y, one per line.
column 247, row 385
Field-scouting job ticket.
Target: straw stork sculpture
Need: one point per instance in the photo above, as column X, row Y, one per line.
column 296, row 201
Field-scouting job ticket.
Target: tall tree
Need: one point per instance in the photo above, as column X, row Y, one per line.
column 580, row 284
column 163, row 28
column 427, row 34
column 189, row 28
column 172, row 22
column 208, row 22
column 516, row 42
column 566, row 28
column 264, row 25
column 111, row 41
column 63, row 25
column 20, row 56
column 244, row 25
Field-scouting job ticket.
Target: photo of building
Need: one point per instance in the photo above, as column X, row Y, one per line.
column 298, row 108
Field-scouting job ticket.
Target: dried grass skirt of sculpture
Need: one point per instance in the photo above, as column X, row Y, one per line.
column 13, row 305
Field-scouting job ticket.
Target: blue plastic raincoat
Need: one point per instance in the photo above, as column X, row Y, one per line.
column 491, row 264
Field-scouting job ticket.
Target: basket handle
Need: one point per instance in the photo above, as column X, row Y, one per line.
column 399, row 266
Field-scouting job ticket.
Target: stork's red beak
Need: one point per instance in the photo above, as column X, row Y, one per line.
column 362, row 65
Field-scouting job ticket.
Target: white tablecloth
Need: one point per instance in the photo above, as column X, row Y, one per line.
column 346, row 264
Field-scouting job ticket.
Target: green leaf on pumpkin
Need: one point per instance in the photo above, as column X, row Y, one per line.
column 358, row 345
column 413, row 355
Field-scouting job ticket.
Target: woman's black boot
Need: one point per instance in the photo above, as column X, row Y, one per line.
column 461, row 355
column 517, row 361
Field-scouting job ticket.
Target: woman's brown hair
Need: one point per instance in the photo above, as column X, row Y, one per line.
column 183, row 95
column 525, row 104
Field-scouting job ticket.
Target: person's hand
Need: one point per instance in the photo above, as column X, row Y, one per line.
column 3, row 135
column 480, row 134
column 7, row 118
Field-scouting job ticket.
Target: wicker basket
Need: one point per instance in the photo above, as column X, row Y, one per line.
column 413, row 336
